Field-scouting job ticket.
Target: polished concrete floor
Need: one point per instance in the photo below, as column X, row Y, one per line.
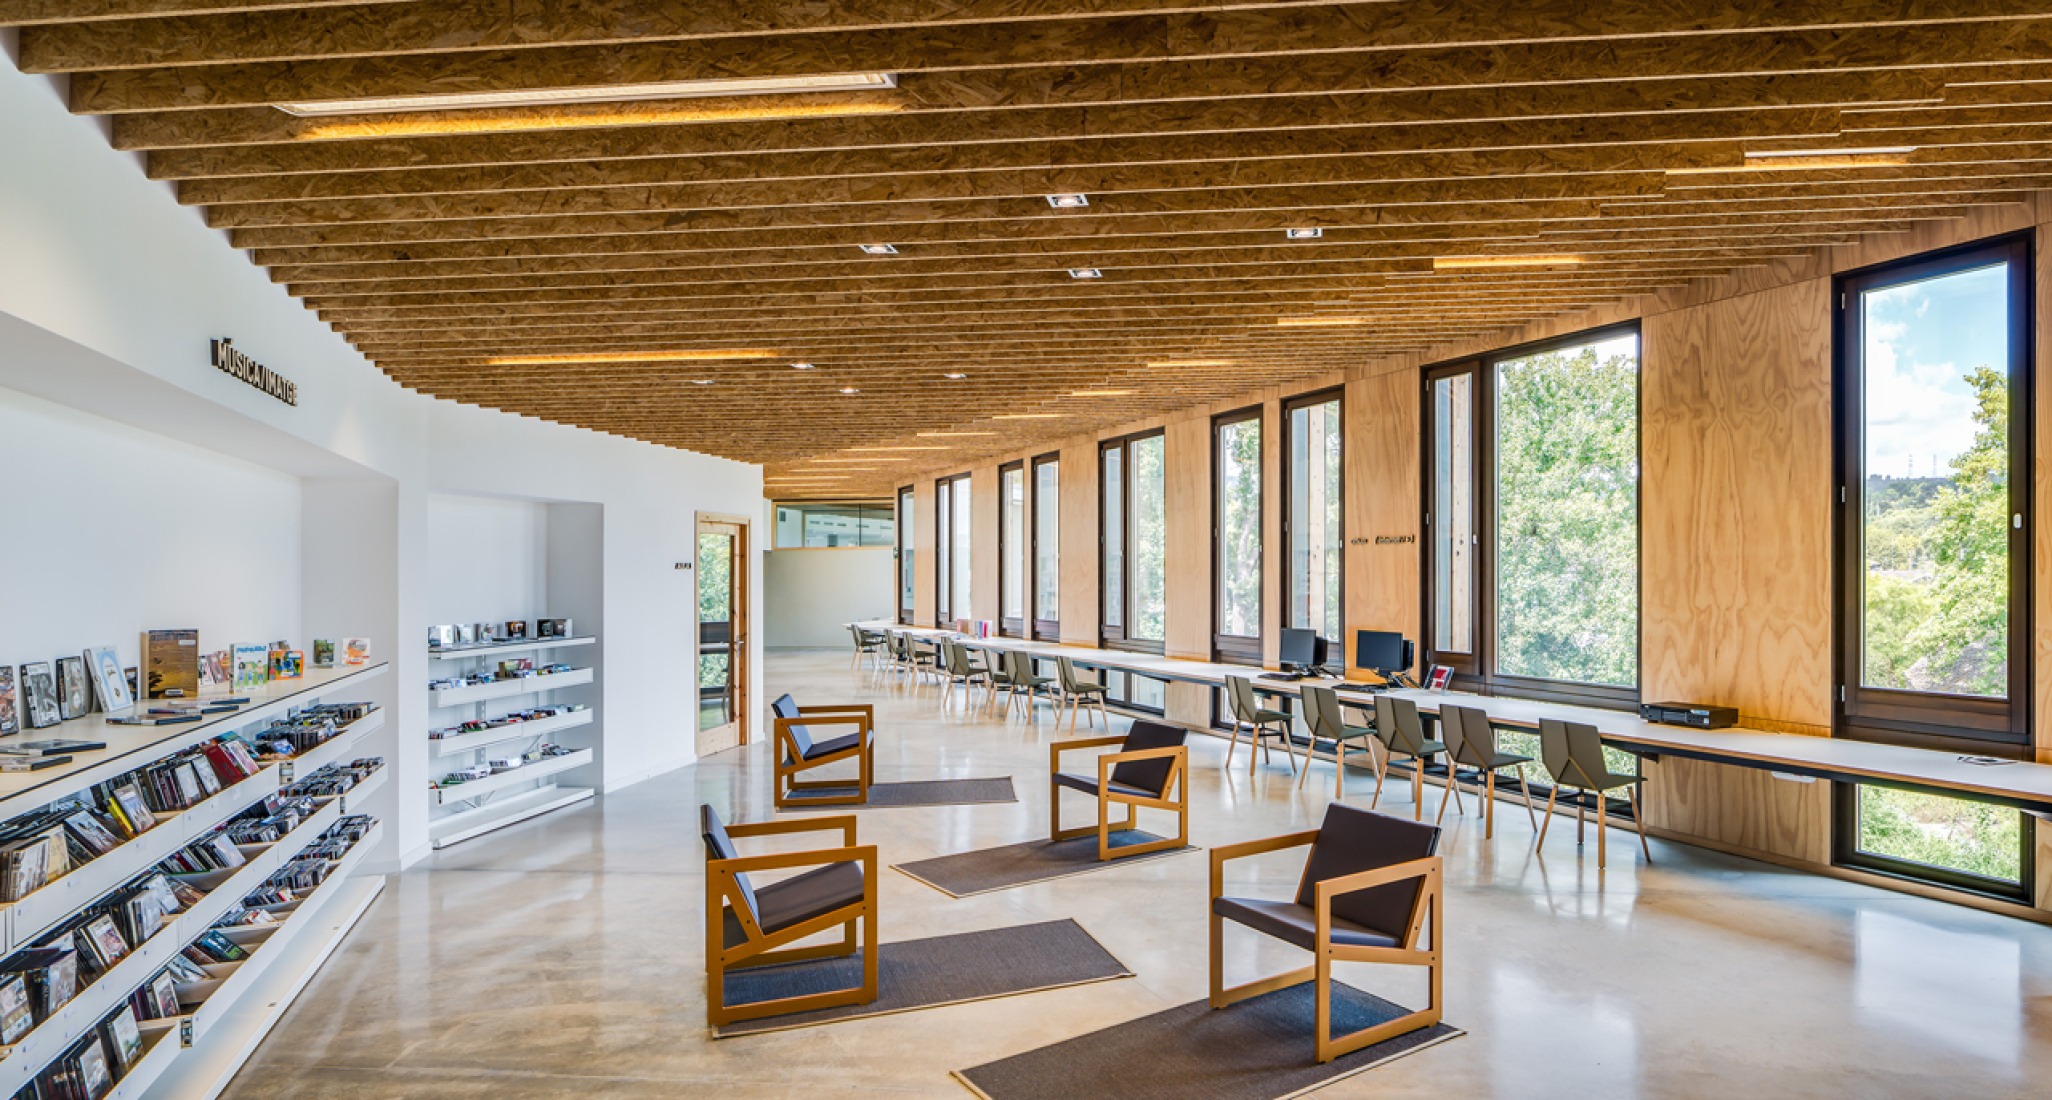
column 562, row 958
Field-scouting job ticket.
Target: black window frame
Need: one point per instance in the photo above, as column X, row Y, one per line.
column 1477, row 671
column 1894, row 716
column 1014, row 627
column 944, row 609
column 1336, row 655
column 1846, row 851
column 1235, row 648
column 901, row 544
column 1110, row 637
column 1038, row 628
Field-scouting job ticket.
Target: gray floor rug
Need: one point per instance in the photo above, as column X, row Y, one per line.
column 929, row 973
column 1256, row 1050
column 925, row 792
column 987, row 869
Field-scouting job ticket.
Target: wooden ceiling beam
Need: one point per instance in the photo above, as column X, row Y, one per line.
column 56, row 13
column 1499, row 45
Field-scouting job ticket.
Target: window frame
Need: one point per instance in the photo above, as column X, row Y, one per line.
column 1846, row 851
column 944, row 609
column 1039, row 628
column 904, row 590
column 1477, row 671
column 1235, row 648
column 1336, row 657
column 1014, row 626
column 1110, row 637
column 1896, row 716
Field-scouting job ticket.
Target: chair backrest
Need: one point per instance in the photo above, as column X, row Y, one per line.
column 787, row 707
column 1352, row 840
column 1072, row 681
column 855, row 632
column 1322, row 712
column 1017, row 669
column 1572, row 752
column 718, row 845
column 897, row 643
column 1151, row 776
column 1470, row 739
column 1240, row 692
column 1398, row 725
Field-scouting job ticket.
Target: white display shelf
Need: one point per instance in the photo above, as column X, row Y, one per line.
column 160, row 1047
column 478, row 788
column 226, row 889
column 539, row 727
column 506, row 689
column 345, row 745
column 529, row 645
column 131, row 747
column 352, row 799
column 457, row 828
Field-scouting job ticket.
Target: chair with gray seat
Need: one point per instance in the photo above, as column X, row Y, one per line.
column 1262, row 723
column 1573, row 755
column 1149, row 770
column 796, row 752
column 868, row 643
column 1327, row 721
column 749, row 926
column 1371, row 884
column 959, row 668
column 1402, row 733
column 1079, row 691
column 1021, row 682
column 1471, row 743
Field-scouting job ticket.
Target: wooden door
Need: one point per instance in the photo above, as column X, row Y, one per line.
column 722, row 571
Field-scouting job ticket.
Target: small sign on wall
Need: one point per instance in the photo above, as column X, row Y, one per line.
column 251, row 373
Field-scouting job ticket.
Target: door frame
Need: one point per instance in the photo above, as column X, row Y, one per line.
column 739, row 632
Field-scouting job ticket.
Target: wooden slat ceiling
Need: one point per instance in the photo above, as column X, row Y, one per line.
column 702, row 245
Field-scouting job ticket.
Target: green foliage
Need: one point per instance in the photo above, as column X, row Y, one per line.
column 715, row 592
column 1942, row 832
column 1567, row 540
column 1239, row 566
column 1150, row 540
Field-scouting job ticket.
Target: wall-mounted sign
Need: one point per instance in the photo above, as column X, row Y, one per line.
column 1394, row 540
column 248, row 371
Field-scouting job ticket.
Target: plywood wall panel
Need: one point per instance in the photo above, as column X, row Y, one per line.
column 1081, row 561
column 983, row 542
column 1740, row 807
column 1382, row 498
column 1189, row 538
column 1736, row 584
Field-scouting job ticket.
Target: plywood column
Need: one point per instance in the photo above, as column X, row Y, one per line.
column 1082, row 481
column 983, row 542
column 1188, row 460
column 1273, row 507
column 1382, row 499
column 923, row 519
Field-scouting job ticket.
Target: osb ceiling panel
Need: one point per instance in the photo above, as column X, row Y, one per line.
column 656, row 267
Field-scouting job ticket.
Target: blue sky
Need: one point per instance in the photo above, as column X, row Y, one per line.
column 1922, row 340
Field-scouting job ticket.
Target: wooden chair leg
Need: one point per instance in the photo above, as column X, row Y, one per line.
column 1235, row 746
column 1450, row 794
column 1525, row 788
column 1381, row 762
column 1103, row 713
column 1602, row 829
column 1551, row 798
column 1290, row 748
column 1639, row 816
column 1339, row 770
column 1489, row 805
column 1417, row 788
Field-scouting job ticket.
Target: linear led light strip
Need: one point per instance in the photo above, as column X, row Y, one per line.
column 608, row 93
column 696, row 356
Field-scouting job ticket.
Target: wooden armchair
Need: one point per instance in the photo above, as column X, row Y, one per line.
column 1150, row 770
column 750, row 926
column 1368, row 886
column 796, row 752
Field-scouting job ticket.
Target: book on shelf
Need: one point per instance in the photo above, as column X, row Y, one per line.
column 252, row 666
column 170, row 665
column 17, row 1013
column 39, row 695
column 110, row 684
column 74, row 695
column 10, row 702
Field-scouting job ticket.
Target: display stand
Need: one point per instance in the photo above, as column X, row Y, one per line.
column 459, row 812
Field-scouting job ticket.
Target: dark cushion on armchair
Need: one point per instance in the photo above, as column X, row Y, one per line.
column 800, row 898
column 1351, row 840
column 1296, row 924
column 718, row 845
column 787, row 707
column 1088, row 785
column 1149, row 777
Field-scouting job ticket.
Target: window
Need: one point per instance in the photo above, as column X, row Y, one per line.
column 1012, row 549
column 1134, row 532
column 1047, row 547
column 905, row 529
column 1934, row 562
column 951, row 549
column 1532, row 519
column 1236, row 537
column 1933, row 529
column 1313, row 542
column 867, row 523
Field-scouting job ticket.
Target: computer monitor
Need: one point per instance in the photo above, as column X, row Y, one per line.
column 1382, row 651
column 1299, row 648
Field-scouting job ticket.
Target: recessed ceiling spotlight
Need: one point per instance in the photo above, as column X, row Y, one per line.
column 610, row 93
column 801, row 366
column 879, row 249
column 850, row 390
column 1068, row 202
column 1085, row 273
column 954, row 376
column 701, row 381
column 1305, row 233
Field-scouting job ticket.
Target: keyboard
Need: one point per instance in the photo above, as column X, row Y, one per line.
column 1357, row 686
column 1278, row 676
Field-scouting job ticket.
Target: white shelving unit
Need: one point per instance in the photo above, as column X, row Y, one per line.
column 479, row 806
column 171, row 1045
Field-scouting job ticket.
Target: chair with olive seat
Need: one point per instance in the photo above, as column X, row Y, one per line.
column 1323, row 714
column 1471, row 743
column 959, row 668
column 1019, row 680
column 1261, row 723
column 748, row 926
column 1079, row 691
column 1370, row 885
column 1402, row 733
column 1149, row 770
column 1573, row 755
column 796, row 752
column 868, row 643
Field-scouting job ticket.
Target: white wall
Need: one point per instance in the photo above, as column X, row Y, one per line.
column 810, row 595
column 109, row 293
column 108, row 531
column 487, row 559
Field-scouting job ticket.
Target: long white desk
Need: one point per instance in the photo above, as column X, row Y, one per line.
column 2019, row 784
